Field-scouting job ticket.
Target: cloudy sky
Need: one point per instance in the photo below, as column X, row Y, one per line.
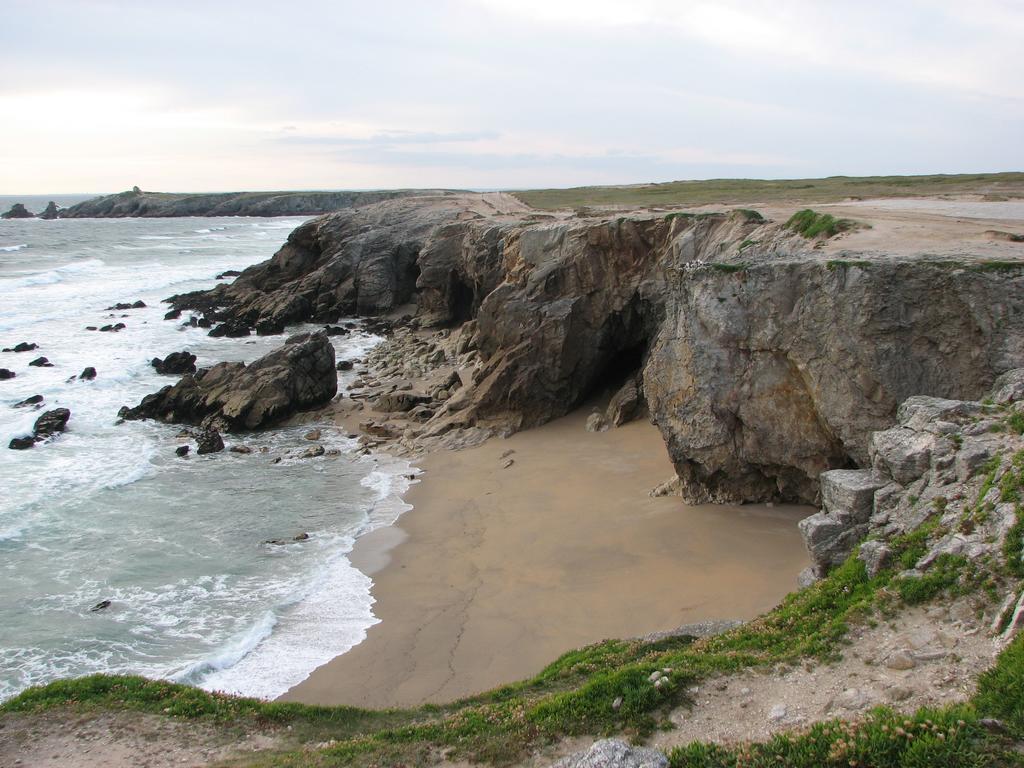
column 216, row 95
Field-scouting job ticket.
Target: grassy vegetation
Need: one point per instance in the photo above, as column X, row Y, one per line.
column 812, row 224
column 746, row 191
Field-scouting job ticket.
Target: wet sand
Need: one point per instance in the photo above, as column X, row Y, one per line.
column 497, row 571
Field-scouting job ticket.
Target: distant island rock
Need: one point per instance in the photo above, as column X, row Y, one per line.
column 18, row 211
column 136, row 202
column 50, row 212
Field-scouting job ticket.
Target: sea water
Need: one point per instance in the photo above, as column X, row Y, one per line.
column 108, row 512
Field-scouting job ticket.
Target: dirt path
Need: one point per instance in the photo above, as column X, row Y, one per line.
column 64, row 739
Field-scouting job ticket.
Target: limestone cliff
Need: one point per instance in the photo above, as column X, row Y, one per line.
column 763, row 362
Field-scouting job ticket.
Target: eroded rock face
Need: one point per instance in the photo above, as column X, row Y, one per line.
column 234, row 396
column 762, row 368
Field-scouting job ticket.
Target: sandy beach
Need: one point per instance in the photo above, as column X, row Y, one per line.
column 499, row 570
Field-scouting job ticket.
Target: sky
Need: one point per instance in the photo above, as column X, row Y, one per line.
column 98, row 96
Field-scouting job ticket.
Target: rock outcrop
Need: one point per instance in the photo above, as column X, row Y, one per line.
column 953, row 464
column 175, row 363
column 136, row 202
column 762, row 362
column 50, row 212
column 233, row 396
column 613, row 753
column 47, row 426
column 17, row 211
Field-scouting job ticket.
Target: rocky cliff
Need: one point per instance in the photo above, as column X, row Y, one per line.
column 762, row 361
column 136, row 202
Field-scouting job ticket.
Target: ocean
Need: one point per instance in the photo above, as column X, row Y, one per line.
column 108, row 512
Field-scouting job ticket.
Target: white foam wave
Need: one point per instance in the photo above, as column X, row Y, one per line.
column 57, row 275
column 13, row 248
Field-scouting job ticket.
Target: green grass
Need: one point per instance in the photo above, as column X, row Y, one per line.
column 753, row 191
column 811, row 224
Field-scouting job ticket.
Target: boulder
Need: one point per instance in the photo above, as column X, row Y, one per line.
column 1009, row 388
column 612, row 753
column 32, row 400
column 209, row 441
column 175, row 363
column 17, row 211
column 232, row 329
column 849, row 493
column 876, row 556
column 269, row 326
column 6, row 373
column 23, row 346
column 313, row 451
column 595, row 423
column 21, row 443
column 336, row 330
column 901, row 453
column 345, row 365
column 51, row 423
column 181, row 450
column 174, row 314
column 233, row 396
column 399, row 402
column 228, row 273
column 829, row 540
column 88, row 374
column 41, row 362
column 625, row 404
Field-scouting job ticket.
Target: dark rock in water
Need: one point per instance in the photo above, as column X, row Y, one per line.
column 113, row 328
column 18, row 211
column 175, row 363
column 51, row 423
column 243, row 449
column 41, row 362
column 228, row 273
column 336, row 330
column 127, row 305
column 313, row 451
column 87, row 374
column 6, row 373
column 50, row 212
column 33, row 400
column 138, row 304
column 91, row 328
column 174, row 314
column 181, row 450
column 269, row 327
column 301, row 537
column 209, row 441
column 21, row 443
column 203, row 322
column 22, row 347
column 346, row 365
column 626, row 404
column 232, row 329
column 235, row 396
column 102, row 605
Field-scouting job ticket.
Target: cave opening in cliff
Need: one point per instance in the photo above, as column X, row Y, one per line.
column 621, row 365
column 461, row 299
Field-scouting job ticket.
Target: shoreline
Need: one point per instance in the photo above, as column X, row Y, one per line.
column 567, row 549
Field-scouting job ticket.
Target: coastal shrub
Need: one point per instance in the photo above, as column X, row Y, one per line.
column 811, row 224
column 884, row 739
